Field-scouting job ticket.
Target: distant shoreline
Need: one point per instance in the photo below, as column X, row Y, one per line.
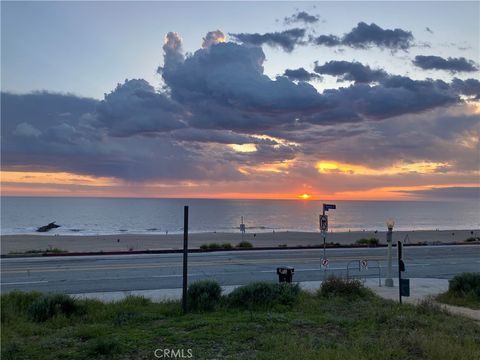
column 132, row 242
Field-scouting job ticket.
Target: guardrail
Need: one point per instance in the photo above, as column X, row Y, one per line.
column 363, row 267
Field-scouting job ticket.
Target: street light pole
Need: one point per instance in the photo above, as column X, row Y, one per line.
column 388, row 279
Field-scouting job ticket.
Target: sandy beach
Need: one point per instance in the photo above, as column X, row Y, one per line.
column 130, row 242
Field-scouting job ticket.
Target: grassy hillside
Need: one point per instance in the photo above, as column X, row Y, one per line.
column 320, row 326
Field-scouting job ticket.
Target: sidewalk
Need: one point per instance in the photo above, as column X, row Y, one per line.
column 420, row 289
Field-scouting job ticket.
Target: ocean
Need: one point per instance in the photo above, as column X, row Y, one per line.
column 101, row 216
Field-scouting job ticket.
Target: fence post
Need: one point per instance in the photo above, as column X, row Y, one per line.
column 185, row 259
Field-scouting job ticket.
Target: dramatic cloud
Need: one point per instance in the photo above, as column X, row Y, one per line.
column 301, row 74
column 364, row 36
column 287, row 40
column 469, row 87
column 302, row 16
column 135, row 107
column 212, row 38
column 451, row 64
column 76, row 143
column 351, row 71
column 225, row 87
column 218, row 117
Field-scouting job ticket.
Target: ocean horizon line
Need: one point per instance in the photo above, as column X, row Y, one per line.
column 239, row 199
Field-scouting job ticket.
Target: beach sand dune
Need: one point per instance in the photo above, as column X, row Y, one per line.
column 131, row 242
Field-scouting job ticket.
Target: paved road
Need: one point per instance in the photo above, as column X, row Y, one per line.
column 164, row 271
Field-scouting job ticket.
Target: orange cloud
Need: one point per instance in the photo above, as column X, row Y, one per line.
column 64, row 178
column 424, row 167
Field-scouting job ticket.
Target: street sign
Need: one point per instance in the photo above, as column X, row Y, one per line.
column 364, row 264
column 327, row 207
column 242, row 228
column 323, row 222
column 325, row 263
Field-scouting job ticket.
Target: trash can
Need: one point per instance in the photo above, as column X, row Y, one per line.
column 285, row 274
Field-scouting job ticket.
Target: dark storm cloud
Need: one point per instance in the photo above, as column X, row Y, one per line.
column 351, row 71
column 134, row 107
column 224, row 86
column 79, row 143
column 394, row 96
column 469, row 87
column 451, row 64
column 302, row 16
column 327, row 40
column 41, row 110
column 301, row 74
column 287, row 40
column 364, row 36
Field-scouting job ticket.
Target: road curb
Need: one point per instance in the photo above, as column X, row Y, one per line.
column 197, row 250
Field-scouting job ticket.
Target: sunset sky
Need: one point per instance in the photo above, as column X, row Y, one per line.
column 271, row 100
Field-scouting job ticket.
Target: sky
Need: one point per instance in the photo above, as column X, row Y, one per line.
column 329, row 100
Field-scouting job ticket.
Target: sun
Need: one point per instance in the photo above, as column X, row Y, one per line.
column 304, row 196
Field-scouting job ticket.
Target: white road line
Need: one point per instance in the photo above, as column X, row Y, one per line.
column 25, row 282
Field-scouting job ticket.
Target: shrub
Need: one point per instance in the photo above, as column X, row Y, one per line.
column 370, row 242
column 335, row 286
column 103, row 346
column 11, row 351
column 214, row 246
column 244, row 244
column 204, row 295
column 465, row 285
column 263, row 295
column 17, row 303
column 47, row 306
column 429, row 306
column 472, row 239
column 55, row 250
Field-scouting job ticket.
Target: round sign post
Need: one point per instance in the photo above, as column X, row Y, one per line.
column 364, row 264
column 323, row 220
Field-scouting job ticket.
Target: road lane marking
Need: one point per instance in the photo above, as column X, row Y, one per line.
column 25, row 282
column 177, row 264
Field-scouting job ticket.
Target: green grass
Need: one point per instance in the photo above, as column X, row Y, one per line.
column 464, row 301
column 314, row 327
column 463, row 290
